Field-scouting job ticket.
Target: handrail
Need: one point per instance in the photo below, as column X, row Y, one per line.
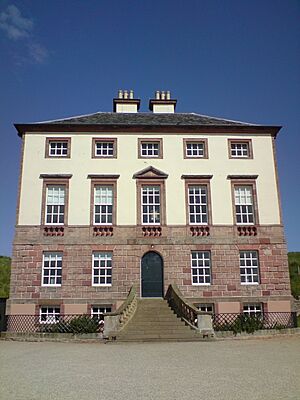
column 131, row 296
column 182, row 307
column 116, row 320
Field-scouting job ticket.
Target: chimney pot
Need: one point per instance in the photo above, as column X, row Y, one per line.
column 125, row 94
column 120, row 94
column 157, row 95
column 163, row 95
column 131, row 94
column 168, row 95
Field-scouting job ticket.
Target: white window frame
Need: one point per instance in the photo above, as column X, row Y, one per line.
column 55, row 271
column 204, row 307
column 104, row 206
column 195, row 149
column 253, row 309
column 99, row 311
column 201, row 268
column 150, row 193
column 57, row 208
column 198, row 205
column 244, row 204
column 106, row 148
column 249, row 263
column 105, row 263
column 51, row 317
column 239, row 149
column 150, row 149
column 59, row 147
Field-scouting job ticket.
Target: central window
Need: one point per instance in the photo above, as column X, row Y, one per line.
column 150, row 148
column 151, row 205
column 244, row 209
column 103, row 205
column 197, row 205
column 102, row 269
column 55, row 205
column 52, row 269
column 200, row 268
column 104, row 148
column 195, row 148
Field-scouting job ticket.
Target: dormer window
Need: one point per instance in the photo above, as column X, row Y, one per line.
column 150, row 148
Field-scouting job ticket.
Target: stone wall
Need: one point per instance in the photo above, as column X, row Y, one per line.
column 129, row 244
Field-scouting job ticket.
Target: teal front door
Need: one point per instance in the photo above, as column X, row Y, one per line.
column 152, row 275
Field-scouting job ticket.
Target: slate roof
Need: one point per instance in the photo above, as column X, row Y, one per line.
column 176, row 119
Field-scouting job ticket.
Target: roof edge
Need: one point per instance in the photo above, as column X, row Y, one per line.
column 44, row 127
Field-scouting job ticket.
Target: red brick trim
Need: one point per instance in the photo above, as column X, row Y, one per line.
column 150, row 140
column 195, row 140
column 240, row 141
column 57, row 139
column 105, row 140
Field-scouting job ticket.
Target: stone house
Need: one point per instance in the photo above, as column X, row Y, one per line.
column 112, row 199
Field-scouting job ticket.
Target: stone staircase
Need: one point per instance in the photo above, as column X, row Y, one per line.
column 154, row 320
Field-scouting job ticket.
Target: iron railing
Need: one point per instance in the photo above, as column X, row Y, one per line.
column 76, row 324
column 181, row 307
column 253, row 322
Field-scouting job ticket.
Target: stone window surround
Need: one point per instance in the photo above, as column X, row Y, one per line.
column 244, row 180
column 204, row 275
column 58, row 253
column 198, row 180
column 103, row 180
column 150, row 140
column 195, row 140
column 140, row 182
column 240, row 141
column 57, row 139
column 105, row 284
column 258, row 268
column 54, row 180
column 105, row 140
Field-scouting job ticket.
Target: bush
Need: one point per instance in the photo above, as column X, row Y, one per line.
column 83, row 324
column 4, row 276
column 242, row 323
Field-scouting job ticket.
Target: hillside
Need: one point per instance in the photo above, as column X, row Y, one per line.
column 294, row 266
column 4, row 276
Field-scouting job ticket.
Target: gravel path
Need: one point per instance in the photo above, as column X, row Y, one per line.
column 260, row 369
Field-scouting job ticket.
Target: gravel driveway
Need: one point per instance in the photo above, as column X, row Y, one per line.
column 232, row 369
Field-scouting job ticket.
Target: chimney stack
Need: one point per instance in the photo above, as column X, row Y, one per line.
column 125, row 102
column 162, row 103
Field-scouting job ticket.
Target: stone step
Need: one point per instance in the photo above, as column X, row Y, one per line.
column 154, row 320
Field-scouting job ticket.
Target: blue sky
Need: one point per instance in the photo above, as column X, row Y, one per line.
column 234, row 59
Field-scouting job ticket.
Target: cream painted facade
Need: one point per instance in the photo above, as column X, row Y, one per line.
column 81, row 163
